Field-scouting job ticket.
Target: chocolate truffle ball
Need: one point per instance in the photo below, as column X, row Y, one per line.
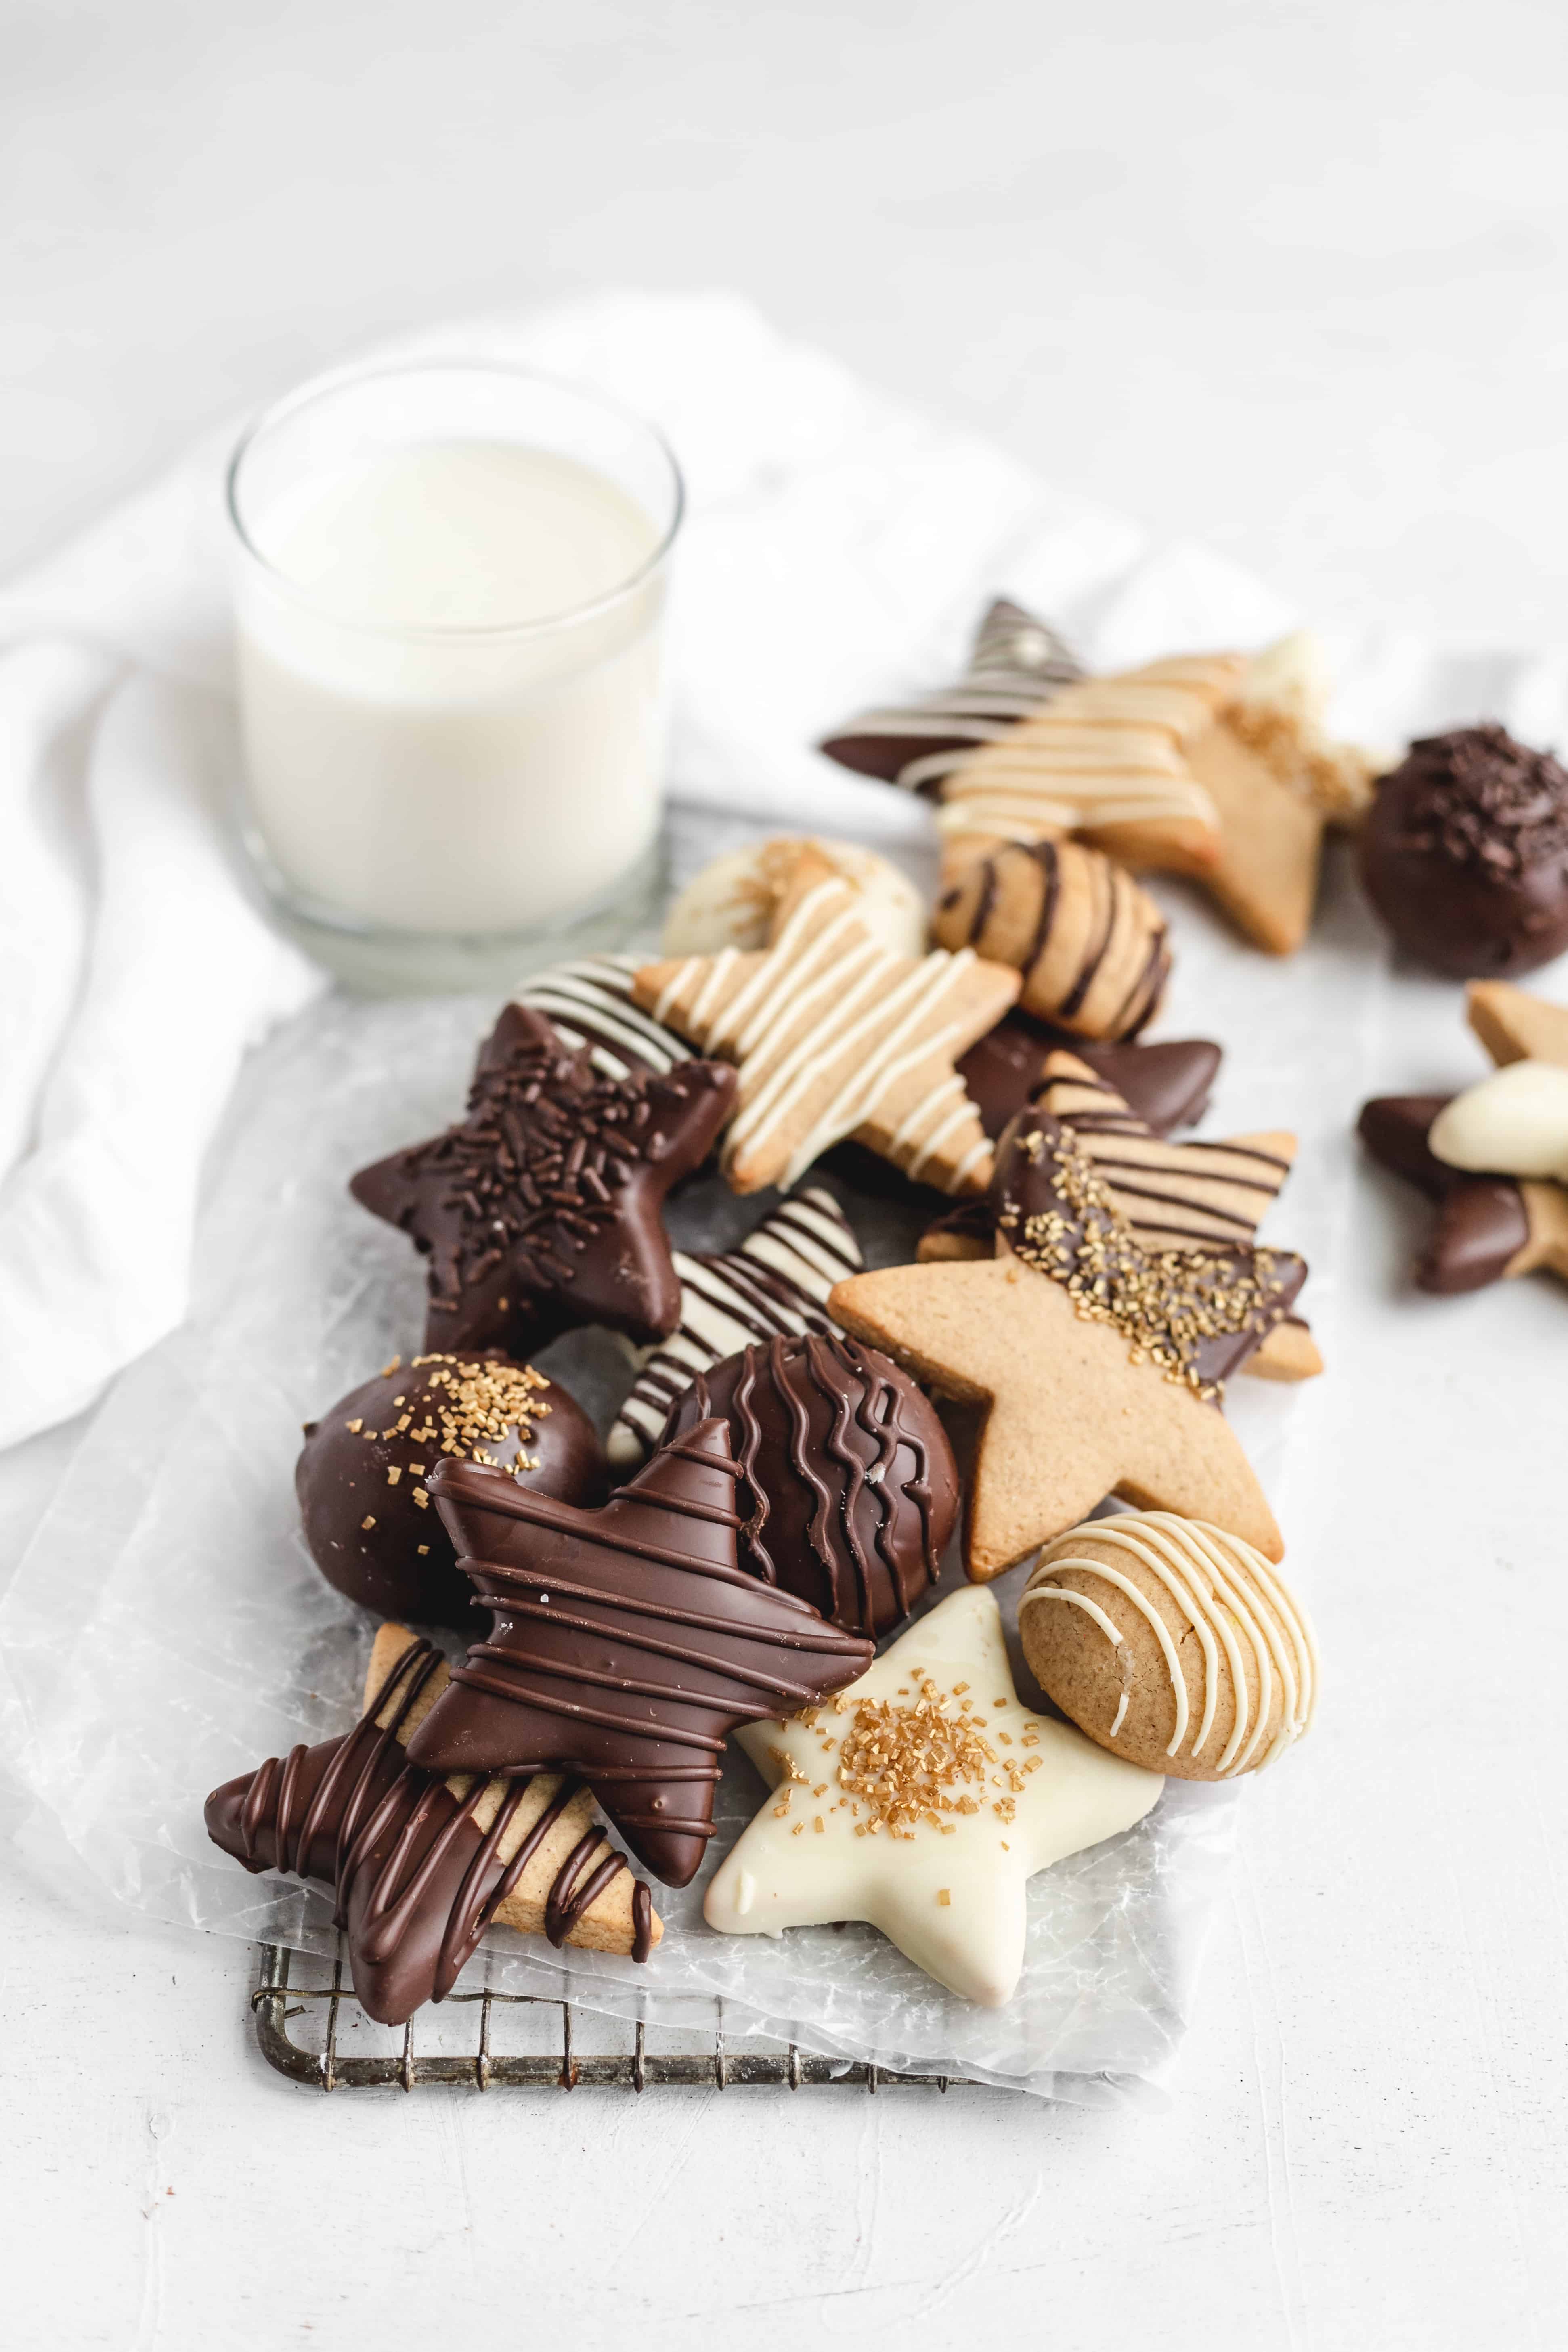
column 1465, row 853
column 849, row 1490
column 372, row 1527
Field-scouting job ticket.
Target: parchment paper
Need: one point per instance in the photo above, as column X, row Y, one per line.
column 167, row 1629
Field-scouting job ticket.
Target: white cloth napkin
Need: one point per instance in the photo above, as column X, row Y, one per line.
column 839, row 549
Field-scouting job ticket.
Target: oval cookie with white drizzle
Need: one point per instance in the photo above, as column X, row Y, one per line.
column 1171, row 1643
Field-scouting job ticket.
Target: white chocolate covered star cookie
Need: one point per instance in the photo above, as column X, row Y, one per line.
column 923, row 1799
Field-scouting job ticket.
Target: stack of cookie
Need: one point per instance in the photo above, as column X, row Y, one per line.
column 789, row 1443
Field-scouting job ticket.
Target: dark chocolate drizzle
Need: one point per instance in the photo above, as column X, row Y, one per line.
column 1481, row 1224
column 1137, row 1006
column 625, row 1643
column 413, row 1880
column 540, row 1209
column 849, row 1490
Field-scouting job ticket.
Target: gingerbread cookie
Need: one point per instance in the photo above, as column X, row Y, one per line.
column 1107, row 760
column 834, row 1036
column 1090, row 946
column 1515, row 1026
column 541, row 1210
column 1171, row 1643
column 732, row 902
column 589, row 1004
column 1018, row 663
column 1204, row 765
column 849, row 1491
column 775, row 1284
column 923, row 1800
column 1100, row 1364
column 421, row 1866
column 364, row 1502
column 625, row 1643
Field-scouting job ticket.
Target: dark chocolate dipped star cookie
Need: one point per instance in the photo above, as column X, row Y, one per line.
column 626, row 1643
column 1100, row 1363
column 539, row 1211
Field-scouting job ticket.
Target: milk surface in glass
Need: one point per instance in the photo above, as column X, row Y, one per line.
column 449, row 692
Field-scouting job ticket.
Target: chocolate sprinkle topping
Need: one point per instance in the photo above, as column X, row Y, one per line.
column 1478, row 798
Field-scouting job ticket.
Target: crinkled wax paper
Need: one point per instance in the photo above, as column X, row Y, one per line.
column 168, row 1630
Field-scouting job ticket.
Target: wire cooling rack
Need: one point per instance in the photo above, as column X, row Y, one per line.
column 333, row 2014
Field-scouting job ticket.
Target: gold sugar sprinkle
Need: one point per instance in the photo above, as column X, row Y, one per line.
column 422, row 1500
column 910, row 1764
column 1164, row 1303
column 356, row 1425
column 944, row 1898
column 393, row 1475
column 366, row 1524
column 476, row 1405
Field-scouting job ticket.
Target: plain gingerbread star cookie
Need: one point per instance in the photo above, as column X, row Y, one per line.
column 923, row 1799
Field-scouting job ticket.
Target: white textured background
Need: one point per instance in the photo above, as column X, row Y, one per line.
column 1286, row 278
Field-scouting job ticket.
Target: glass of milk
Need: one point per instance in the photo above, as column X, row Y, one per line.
column 450, row 586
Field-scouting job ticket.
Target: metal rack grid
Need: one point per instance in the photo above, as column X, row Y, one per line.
column 277, row 2000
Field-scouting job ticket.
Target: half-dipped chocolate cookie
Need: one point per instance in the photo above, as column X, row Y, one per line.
column 849, row 1490
column 361, row 1477
column 1464, row 854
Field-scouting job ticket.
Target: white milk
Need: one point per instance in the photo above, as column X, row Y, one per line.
column 420, row 757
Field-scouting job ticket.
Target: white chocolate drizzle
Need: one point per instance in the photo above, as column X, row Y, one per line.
column 1018, row 663
column 823, row 993
column 1234, row 1603
column 1105, row 751
column 590, row 1004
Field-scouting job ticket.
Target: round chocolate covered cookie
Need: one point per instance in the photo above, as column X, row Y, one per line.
column 1465, row 853
column 372, row 1527
column 849, row 1490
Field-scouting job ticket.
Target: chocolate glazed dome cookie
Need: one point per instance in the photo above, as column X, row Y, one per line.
column 1464, row 854
column 369, row 1521
column 849, row 1490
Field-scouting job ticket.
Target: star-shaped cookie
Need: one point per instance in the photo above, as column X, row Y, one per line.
column 1198, row 1193
column 1487, row 1228
column 835, row 1036
column 1207, row 765
column 1100, row 1363
column 419, row 1866
column 625, row 1643
column 1018, row 663
column 774, row 1286
column 923, row 1799
column 541, row 1210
